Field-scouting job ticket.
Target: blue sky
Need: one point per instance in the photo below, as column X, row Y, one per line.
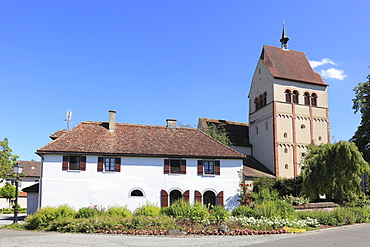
column 153, row 60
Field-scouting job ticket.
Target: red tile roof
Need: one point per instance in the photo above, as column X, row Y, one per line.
column 238, row 132
column 138, row 140
column 58, row 134
column 290, row 65
column 30, row 168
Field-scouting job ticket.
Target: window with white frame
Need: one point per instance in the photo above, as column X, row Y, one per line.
column 109, row 164
column 209, row 166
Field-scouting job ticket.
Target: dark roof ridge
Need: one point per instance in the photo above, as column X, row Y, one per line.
column 221, row 143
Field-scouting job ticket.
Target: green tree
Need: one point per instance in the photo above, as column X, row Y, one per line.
column 8, row 192
column 7, row 160
column 333, row 169
column 218, row 132
column 361, row 103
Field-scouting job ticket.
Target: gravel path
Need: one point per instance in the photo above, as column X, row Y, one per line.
column 11, row 238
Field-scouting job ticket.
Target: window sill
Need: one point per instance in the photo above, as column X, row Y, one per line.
column 73, row 170
column 209, row 175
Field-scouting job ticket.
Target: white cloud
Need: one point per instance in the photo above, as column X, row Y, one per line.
column 333, row 74
column 323, row 61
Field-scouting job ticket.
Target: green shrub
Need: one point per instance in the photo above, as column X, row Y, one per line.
column 263, row 183
column 288, row 186
column 149, row 209
column 264, row 195
column 198, row 212
column 276, row 208
column 121, row 211
column 219, row 214
column 66, row 211
column 244, row 211
column 179, row 208
column 86, row 212
column 42, row 218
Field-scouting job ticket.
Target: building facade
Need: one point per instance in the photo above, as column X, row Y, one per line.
column 108, row 163
column 288, row 110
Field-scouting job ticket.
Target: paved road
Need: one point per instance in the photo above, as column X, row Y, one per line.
column 355, row 235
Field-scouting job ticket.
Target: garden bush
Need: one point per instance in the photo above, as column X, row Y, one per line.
column 264, row 195
column 274, row 209
column 149, row 209
column 122, row 211
column 244, row 211
column 179, row 208
column 198, row 212
column 218, row 214
column 42, row 218
column 86, row 212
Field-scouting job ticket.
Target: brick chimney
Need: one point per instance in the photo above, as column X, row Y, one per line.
column 112, row 120
column 171, row 123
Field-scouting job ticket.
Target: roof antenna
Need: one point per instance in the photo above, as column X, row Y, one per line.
column 284, row 38
column 69, row 118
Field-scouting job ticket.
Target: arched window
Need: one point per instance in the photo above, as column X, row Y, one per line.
column 288, row 96
column 256, row 104
column 174, row 196
column 266, row 125
column 209, row 198
column 256, row 129
column 286, row 166
column 306, row 98
column 314, row 99
column 295, row 97
column 264, row 98
column 285, row 135
column 260, row 102
column 138, row 193
column 285, row 150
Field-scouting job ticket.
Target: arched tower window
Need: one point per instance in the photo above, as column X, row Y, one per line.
column 295, row 97
column 260, row 102
column 256, row 104
column 264, row 98
column 314, row 99
column 288, row 96
column 306, row 98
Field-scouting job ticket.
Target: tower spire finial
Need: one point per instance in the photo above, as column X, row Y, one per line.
column 284, row 38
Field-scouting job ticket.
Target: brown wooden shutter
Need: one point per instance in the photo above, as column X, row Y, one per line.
column 217, row 167
column 65, row 163
column 166, row 166
column 83, row 163
column 200, row 167
column 100, row 164
column 220, row 198
column 198, row 196
column 164, row 198
column 118, row 164
column 183, row 166
column 186, row 195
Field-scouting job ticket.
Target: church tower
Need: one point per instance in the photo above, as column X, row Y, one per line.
column 288, row 109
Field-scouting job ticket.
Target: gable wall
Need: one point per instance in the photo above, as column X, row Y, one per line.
column 85, row 188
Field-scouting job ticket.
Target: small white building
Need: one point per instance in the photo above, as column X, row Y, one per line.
column 30, row 176
column 108, row 163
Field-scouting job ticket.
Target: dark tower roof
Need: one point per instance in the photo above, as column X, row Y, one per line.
column 284, row 39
